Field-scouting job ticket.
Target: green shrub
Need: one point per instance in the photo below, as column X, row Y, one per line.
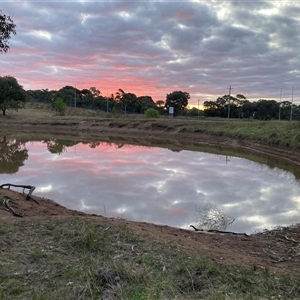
column 60, row 106
column 151, row 113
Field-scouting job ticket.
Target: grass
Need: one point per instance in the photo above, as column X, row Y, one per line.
column 83, row 258
column 40, row 113
column 278, row 133
column 283, row 133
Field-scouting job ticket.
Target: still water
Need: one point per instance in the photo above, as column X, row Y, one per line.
column 153, row 184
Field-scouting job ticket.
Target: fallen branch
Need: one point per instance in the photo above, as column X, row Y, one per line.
column 290, row 239
column 5, row 202
column 280, row 260
column 219, row 231
column 31, row 188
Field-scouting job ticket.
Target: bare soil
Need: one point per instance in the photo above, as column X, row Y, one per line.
column 273, row 251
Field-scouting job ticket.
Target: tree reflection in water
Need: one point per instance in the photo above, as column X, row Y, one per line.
column 57, row 146
column 13, row 153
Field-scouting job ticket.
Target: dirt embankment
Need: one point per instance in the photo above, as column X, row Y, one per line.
column 150, row 131
column 272, row 251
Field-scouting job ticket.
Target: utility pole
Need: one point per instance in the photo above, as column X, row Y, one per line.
column 229, row 101
column 198, row 107
column 291, row 117
column 280, row 104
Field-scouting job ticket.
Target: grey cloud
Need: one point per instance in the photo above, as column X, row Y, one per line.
column 166, row 45
column 291, row 10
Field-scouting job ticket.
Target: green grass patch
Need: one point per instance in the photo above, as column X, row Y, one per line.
column 81, row 258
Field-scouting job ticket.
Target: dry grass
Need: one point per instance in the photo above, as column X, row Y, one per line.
column 83, row 258
column 40, row 113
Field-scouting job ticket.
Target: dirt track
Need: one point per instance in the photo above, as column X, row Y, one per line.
column 276, row 251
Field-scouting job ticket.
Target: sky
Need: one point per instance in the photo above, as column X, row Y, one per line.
column 156, row 47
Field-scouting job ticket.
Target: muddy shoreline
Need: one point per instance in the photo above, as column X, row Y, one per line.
column 92, row 130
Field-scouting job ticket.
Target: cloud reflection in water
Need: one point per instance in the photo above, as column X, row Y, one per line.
column 160, row 186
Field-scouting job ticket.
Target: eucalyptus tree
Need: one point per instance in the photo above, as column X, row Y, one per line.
column 248, row 108
column 119, row 100
column 12, row 95
column 229, row 105
column 220, row 107
column 126, row 102
column 100, row 102
column 296, row 112
column 144, row 103
column 226, row 106
column 95, row 92
column 7, row 27
column 43, row 95
column 130, row 102
column 70, row 95
column 284, row 110
column 195, row 112
column 85, row 98
column 267, row 109
column 160, row 103
column 178, row 100
column 211, row 109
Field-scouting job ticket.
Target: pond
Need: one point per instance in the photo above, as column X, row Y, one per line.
column 154, row 184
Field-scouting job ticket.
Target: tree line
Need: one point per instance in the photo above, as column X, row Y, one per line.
column 239, row 106
column 13, row 96
column 120, row 102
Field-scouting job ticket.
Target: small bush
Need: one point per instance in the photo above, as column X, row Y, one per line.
column 151, row 113
column 60, row 106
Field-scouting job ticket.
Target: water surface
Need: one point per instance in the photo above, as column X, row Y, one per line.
column 153, row 184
